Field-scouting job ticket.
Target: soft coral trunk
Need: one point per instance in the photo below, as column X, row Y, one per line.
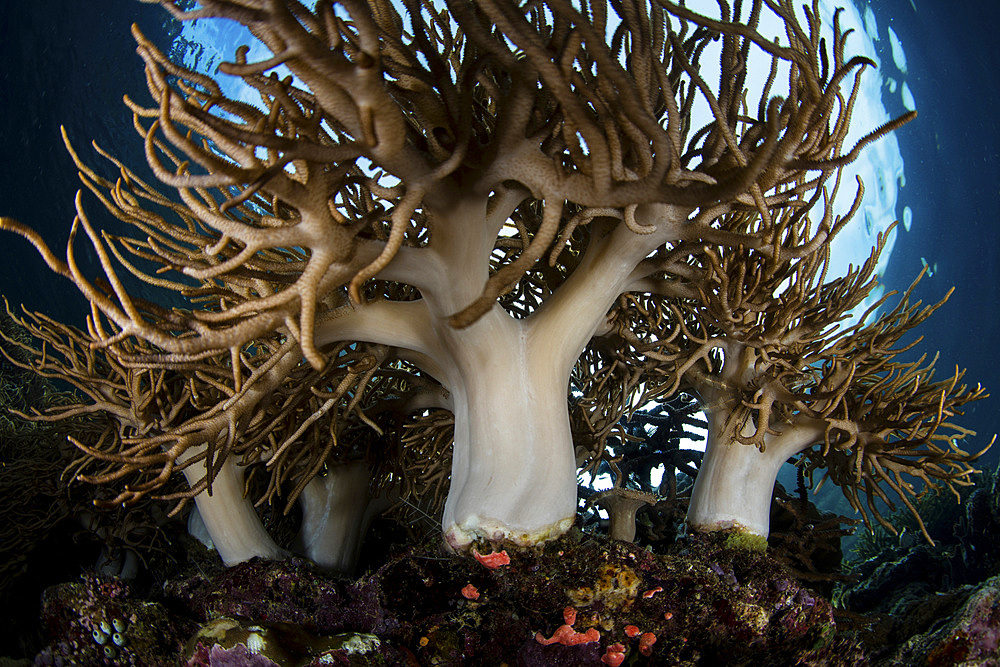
column 514, row 469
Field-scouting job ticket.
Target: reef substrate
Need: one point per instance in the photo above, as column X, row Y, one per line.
column 580, row 600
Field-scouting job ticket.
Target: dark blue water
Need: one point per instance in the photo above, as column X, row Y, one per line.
column 63, row 63
column 70, row 62
column 952, row 160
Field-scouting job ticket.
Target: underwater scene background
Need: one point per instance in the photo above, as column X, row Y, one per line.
column 69, row 63
column 71, row 67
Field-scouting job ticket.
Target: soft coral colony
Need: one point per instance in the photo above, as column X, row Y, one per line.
column 500, row 227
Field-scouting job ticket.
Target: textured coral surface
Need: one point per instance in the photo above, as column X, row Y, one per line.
column 581, row 600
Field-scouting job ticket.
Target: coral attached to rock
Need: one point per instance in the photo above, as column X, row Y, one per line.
column 580, row 600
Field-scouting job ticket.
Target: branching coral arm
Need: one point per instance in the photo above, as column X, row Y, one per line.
column 572, row 314
column 33, row 237
column 401, row 324
column 507, row 276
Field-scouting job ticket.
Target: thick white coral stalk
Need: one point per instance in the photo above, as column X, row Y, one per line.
column 229, row 517
column 736, row 482
column 337, row 508
column 513, row 469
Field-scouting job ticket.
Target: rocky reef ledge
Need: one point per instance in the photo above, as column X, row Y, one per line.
column 581, row 600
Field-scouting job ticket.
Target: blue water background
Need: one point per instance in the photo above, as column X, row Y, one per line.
column 951, row 154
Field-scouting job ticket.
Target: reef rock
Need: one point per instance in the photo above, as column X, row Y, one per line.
column 970, row 637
